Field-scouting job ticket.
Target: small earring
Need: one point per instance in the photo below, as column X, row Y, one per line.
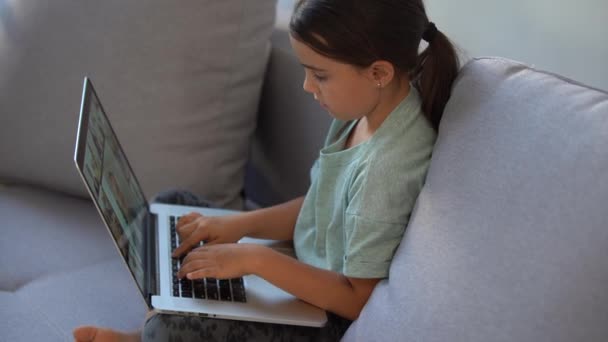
column 379, row 84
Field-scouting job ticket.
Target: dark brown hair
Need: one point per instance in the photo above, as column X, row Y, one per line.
column 360, row 32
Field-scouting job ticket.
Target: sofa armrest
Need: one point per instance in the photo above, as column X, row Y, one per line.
column 290, row 130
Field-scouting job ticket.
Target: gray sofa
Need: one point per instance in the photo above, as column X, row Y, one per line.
column 508, row 240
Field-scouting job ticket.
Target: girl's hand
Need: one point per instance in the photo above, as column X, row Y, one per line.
column 194, row 228
column 223, row 261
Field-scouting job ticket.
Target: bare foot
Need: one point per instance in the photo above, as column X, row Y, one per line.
column 90, row 334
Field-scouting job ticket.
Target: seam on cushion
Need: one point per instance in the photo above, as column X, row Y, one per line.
column 48, row 275
column 230, row 78
column 532, row 68
column 44, row 316
column 37, row 309
column 231, row 197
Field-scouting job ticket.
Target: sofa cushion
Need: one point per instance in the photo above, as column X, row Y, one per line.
column 57, row 262
column 102, row 294
column 13, row 315
column 46, row 233
column 180, row 84
column 509, row 239
column 49, row 308
column 280, row 171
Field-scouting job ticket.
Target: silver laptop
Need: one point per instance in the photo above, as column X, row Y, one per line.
column 145, row 237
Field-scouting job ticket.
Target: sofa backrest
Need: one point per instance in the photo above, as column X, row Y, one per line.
column 509, row 237
column 181, row 85
column 290, row 131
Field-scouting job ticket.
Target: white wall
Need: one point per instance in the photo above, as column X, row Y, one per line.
column 566, row 37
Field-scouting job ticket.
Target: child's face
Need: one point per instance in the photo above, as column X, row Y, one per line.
column 345, row 91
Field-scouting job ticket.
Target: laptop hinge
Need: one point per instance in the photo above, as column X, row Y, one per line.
column 151, row 256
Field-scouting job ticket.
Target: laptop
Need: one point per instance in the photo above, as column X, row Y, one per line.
column 145, row 236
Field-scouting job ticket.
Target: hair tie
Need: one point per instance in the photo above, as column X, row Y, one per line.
column 430, row 32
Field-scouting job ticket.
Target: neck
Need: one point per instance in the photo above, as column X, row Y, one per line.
column 389, row 98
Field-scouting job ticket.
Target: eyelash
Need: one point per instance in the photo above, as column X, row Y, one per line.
column 319, row 78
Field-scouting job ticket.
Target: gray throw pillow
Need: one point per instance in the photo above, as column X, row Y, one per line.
column 509, row 237
column 180, row 82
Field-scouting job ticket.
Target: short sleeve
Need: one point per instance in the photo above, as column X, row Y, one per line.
column 314, row 171
column 381, row 198
column 370, row 246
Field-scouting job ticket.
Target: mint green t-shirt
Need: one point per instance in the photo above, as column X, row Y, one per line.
column 360, row 199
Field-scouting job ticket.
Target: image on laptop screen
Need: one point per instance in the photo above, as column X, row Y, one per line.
column 112, row 184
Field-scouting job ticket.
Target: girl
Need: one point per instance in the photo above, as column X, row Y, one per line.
column 362, row 64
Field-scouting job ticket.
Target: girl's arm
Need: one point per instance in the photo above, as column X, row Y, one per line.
column 274, row 223
column 328, row 290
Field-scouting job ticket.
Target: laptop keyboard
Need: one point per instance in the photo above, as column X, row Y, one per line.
column 231, row 290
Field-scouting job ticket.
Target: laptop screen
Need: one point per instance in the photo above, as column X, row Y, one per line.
column 111, row 182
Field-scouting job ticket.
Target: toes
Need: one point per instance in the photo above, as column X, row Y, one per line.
column 85, row 334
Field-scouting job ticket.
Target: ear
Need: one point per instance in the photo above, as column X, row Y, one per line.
column 381, row 73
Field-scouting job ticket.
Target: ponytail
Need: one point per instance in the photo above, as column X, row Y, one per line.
column 435, row 71
column 362, row 32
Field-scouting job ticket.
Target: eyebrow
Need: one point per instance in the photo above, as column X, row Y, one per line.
column 312, row 67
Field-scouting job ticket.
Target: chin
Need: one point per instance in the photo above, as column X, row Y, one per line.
column 344, row 117
column 338, row 116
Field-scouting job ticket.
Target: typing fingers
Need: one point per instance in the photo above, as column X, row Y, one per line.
column 185, row 246
column 209, row 272
column 186, row 230
column 186, row 219
column 195, row 253
column 196, row 265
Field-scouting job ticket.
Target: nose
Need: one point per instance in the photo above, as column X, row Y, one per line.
column 309, row 86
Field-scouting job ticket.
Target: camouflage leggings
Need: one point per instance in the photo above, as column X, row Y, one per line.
column 174, row 328
column 177, row 328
